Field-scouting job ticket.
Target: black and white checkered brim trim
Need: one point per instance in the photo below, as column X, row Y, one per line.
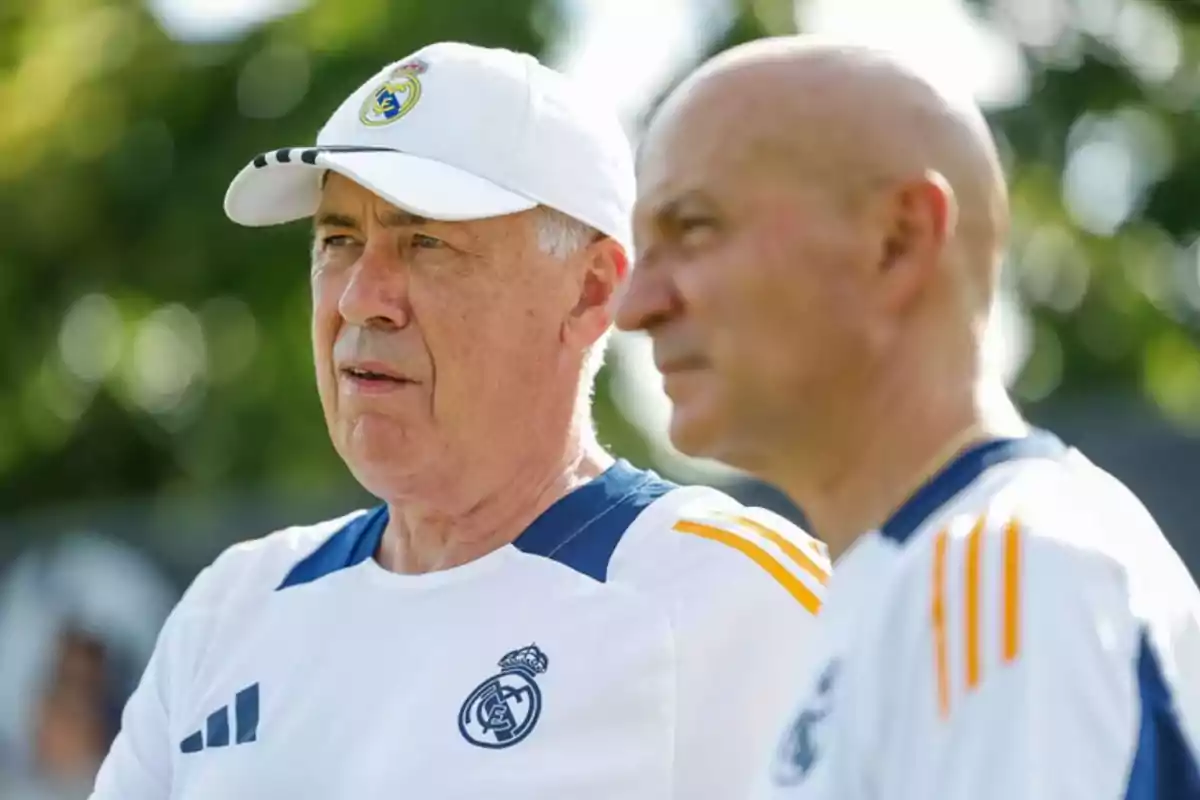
column 308, row 155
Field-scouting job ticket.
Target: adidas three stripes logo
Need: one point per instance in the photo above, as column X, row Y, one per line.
column 215, row 732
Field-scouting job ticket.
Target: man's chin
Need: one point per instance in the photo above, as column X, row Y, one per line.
column 376, row 446
column 693, row 433
column 386, row 479
column 708, row 437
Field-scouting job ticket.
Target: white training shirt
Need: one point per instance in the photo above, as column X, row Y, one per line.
column 639, row 640
column 1019, row 630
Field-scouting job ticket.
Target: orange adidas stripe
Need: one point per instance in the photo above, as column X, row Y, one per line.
column 941, row 667
column 974, row 566
column 1012, row 592
column 789, row 548
column 805, row 596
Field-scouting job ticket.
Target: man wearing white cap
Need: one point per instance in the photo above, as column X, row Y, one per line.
column 521, row 616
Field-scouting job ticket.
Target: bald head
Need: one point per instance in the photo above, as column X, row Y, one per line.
column 816, row 223
column 850, row 117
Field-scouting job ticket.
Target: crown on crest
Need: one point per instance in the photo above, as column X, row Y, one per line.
column 529, row 659
column 414, row 67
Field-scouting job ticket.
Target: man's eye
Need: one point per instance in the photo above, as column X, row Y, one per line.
column 689, row 225
column 425, row 242
column 694, row 230
column 340, row 240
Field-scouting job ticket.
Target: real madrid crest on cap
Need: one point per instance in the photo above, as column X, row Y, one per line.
column 396, row 96
column 504, row 709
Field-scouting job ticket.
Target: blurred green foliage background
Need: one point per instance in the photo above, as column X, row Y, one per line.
column 153, row 349
column 157, row 382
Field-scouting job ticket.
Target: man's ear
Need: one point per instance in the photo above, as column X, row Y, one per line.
column 605, row 268
column 921, row 217
column 604, row 271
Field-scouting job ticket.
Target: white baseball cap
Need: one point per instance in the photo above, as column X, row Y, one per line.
column 457, row 132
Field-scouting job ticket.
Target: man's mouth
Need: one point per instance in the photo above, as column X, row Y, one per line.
column 675, row 365
column 371, row 373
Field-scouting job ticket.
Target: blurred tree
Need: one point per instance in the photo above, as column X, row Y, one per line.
column 1105, row 167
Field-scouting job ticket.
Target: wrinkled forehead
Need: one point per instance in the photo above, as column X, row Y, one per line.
column 702, row 164
column 343, row 193
column 688, row 147
column 346, row 203
column 692, row 126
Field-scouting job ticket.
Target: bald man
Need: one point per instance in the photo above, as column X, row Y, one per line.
column 819, row 233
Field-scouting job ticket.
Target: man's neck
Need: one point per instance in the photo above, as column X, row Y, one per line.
column 888, row 456
column 432, row 537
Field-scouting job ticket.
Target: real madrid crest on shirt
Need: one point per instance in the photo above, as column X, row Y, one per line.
column 504, row 709
column 395, row 97
column 801, row 746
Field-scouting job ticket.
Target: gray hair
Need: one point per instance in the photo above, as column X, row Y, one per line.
column 561, row 235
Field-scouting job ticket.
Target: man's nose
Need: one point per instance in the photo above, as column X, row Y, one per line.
column 647, row 301
column 377, row 292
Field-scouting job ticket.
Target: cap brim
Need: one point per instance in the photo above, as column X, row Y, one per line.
column 284, row 185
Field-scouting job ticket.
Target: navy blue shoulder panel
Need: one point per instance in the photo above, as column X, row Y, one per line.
column 1164, row 766
column 583, row 529
column 353, row 544
column 961, row 473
